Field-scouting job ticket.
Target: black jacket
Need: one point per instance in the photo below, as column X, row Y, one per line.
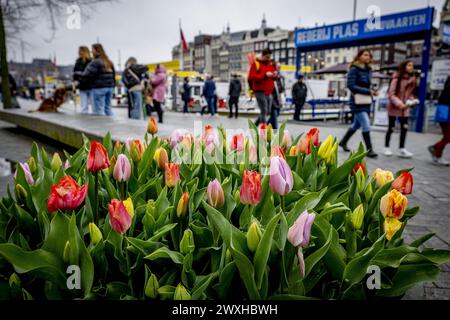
column 444, row 98
column 78, row 70
column 359, row 80
column 235, row 88
column 186, row 92
column 97, row 76
column 299, row 92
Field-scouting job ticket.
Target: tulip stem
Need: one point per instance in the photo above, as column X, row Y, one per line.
column 96, row 197
column 283, row 208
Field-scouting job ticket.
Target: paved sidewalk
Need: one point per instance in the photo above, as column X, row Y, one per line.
column 431, row 183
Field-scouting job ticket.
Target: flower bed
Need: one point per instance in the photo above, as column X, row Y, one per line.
column 217, row 216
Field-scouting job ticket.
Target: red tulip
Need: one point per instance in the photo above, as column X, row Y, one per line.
column 172, row 174
column 311, row 137
column 119, row 218
column 237, row 142
column 358, row 166
column 97, row 157
column 250, row 192
column 403, row 183
column 263, row 131
column 67, row 195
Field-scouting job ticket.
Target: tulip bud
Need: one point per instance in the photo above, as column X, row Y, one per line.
column 14, row 280
column 32, row 164
column 161, row 157
column 56, row 162
column 269, row 132
column 228, row 256
column 183, row 205
column 187, row 244
column 215, row 194
column 382, row 177
column 95, row 233
column 66, row 253
column 293, row 151
column 117, row 147
column 369, row 191
column 112, row 162
column 360, row 180
column 237, row 196
column 152, row 127
column 151, row 289
column 357, row 217
column 136, row 150
column 122, row 168
column 253, row 236
column 391, row 226
column 181, row 293
column 151, row 209
column 21, row 193
column 66, row 164
column 241, row 168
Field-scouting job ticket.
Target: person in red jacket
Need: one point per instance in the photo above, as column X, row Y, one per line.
column 261, row 76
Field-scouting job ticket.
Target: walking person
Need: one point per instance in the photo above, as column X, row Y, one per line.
column 158, row 81
column 359, row 82
column 100, row 75
column 133, row 78
column 234, row 93
column 262, row 75
column 401, row 97
column 209, row 92
column 299, row 94
column 438, row 149
column 277, row 102
column 186, row 95
column 84, row 87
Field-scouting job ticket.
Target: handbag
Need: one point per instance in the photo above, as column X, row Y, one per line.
column 442, row 114
column 362, row 99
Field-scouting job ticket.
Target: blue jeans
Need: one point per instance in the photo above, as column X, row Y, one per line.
column 361, row 120
column 185, row 106
column 211, row 109
column 102, row 101
column 273, row 119
column 85, row 96
column 135, row 104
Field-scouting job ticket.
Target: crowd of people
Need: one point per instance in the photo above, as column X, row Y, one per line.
column 95, row 79
column 264, row 79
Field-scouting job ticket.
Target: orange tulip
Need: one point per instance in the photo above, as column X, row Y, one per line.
column 403, row 183
column 172, row 174
column 250, row 192
column 393, row 204
column 312, row 137
column 152, row 127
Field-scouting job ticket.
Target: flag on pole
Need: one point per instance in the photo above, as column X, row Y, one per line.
column 183, row 41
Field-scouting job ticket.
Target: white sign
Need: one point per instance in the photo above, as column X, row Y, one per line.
column 439, row 73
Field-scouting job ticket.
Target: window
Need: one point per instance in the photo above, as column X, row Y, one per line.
column 283, row 54
column 277, row 45
column 336, row 59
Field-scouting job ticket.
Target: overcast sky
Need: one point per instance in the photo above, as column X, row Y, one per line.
column 148, row 29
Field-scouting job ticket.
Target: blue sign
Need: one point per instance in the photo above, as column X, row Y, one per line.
column 364, row 29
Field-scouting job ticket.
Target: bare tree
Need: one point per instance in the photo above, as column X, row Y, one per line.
column 18, row 16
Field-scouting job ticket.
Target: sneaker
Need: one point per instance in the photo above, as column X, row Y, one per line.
column 403, row 153
column 432, row 150
column 387, row 152
column 442, row 162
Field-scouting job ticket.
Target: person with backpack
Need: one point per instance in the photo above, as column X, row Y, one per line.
column 186, row 95
column 299, row 93
column 401, row 97
column 359, row 82
column 261, row 76
column 158, row 82
column 133, row 78
column 101, row 76
column 234, row 93
column 437, row 149
column 83, row 85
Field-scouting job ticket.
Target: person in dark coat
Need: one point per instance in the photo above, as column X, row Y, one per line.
column 234, row 93
column 186, row 95
column 134, row 77
column 438, row 149
column 299, row 93
column 13, row 89
column 278, row 90
column 359, row 82
column 84, row 57
column 101, row 76
column 209, row 92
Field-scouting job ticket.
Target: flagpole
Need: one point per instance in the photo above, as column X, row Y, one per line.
column 181, row 47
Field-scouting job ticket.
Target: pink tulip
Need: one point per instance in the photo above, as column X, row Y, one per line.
column 177, row 136
column 122, row 168
column 299, row 233
column 27, row 171
column 251, row 188
column 281, row 180
column 216, row 197
column 119, row 218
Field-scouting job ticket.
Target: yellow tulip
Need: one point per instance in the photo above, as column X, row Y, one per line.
column 129, row 206
column 393, row 204
column 293, row 151
column 391, row 226
column 382, row 177
column 161, row 157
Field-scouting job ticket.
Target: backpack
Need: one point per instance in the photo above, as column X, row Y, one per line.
column 130, row 77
